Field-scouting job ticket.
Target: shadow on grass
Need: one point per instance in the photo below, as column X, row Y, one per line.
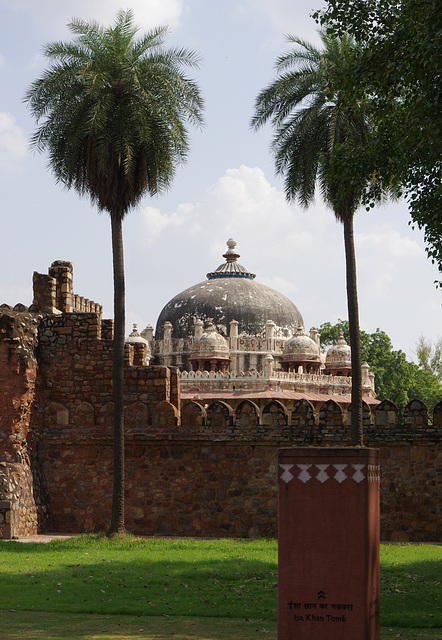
column 186, row 580
column 134, row 581
column 410, row 593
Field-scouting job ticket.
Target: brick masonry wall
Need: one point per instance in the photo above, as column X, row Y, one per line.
column 75, row 377
column 212, row 474
column 223, row 486
column 410, row 493
column 18, row 373
column 173, row 487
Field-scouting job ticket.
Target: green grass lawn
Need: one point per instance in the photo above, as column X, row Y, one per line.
column 215, row 589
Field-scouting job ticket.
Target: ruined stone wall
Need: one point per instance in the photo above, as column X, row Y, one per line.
column 19, row 512
column 18, row 372
column 54, row 292
column 75, row 380
column 56, row 376
column 173, row 487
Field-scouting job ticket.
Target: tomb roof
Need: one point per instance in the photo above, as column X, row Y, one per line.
column 230, row 293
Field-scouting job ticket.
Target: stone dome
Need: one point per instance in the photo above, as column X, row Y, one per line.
column 301, row 347
column 136, row 338
column 210, row 345
column 230, row 293
column 339, row 355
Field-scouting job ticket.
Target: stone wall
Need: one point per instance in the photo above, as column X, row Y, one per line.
column 18, row 374
column 19, row 513
column 221, row 481
column 75, row 374
column 207, row 470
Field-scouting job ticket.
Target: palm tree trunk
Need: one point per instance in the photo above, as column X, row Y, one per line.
column 117, row 521
column 356, row 436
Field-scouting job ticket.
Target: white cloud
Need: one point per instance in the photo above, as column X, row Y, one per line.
column 283, row 245
column 286, row 16
column 154, row 222
column 2, row 60
column 388, row 240
column 243, row 204
column 147, row 13
column 13, row 144
column 384, row 256
column 244, row 196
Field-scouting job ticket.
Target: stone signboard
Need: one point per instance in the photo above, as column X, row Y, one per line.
column 328, row 531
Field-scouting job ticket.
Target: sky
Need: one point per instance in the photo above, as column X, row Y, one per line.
column 227, row 188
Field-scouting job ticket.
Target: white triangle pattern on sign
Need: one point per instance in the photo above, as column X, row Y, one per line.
column 358, row 476
column 304, row 476
column 340, row 476
column 286, row 476
column 322, row 476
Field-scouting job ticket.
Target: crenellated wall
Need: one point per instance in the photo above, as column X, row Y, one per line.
column 215, row 473
column 201, row 465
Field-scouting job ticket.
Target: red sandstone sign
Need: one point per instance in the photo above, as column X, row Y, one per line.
column 328, row 563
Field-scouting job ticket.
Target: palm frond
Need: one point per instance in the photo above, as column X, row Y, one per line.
column 311, row 118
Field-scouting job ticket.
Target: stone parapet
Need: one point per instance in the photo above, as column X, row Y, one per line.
column 285, row 381
column 54, row 293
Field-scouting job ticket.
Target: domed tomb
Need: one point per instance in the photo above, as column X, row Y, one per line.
column 230, row 293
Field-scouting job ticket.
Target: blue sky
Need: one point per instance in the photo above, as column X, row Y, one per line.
column 227, row 188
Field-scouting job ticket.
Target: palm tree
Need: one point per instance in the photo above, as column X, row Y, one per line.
column 112, row 111
column 314, row 127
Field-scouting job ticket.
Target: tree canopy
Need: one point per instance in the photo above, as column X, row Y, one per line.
column 396, row 378
column 429, row 355
column 396, row 71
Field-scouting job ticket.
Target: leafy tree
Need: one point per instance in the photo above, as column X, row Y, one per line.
column 111, row 111
column 429, row 356
column 397, row 71
column 313, row 125
column 396, row 379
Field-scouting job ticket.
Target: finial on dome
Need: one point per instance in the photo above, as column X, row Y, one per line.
column 300, row 328
column 230, row 255
column 231, row 268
